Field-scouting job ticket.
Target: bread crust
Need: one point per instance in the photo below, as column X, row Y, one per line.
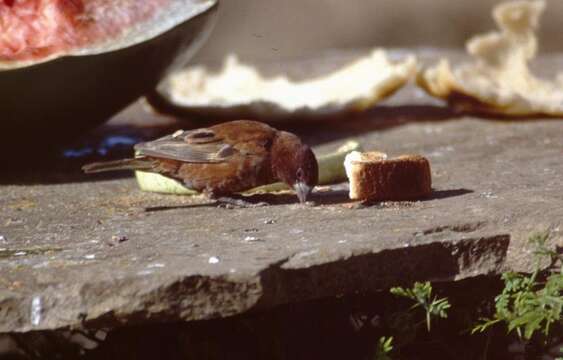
column 374, row 177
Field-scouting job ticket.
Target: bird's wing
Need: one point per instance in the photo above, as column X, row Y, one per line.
column 195, row 146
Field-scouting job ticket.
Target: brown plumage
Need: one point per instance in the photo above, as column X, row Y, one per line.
column 226, row 159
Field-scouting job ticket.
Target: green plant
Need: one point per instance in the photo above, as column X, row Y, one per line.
column 421, row 293
column 530, row 307
column 541, row 250
column 384, row 348
column 527, row 304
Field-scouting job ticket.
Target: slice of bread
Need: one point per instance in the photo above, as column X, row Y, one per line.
column 374, row 177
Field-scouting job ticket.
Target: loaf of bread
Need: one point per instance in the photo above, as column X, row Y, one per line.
column 374, row 177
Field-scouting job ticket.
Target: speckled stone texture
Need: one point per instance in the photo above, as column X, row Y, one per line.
column 97, row 252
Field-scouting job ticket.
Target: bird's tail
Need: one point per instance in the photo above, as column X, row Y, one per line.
column 124, row 164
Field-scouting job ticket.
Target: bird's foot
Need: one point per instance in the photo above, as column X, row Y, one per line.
column 231, row 202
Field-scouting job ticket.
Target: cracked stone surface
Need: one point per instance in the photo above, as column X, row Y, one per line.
column 97, row 252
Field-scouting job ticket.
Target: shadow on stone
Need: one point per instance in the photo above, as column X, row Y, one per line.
column 345, row 327
column 444, row 194
column 436, row 195
column 434, row 261
column 267, row 199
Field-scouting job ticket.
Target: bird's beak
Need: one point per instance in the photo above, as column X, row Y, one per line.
column 302, row 190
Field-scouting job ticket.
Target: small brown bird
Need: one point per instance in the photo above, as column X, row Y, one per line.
column 226, row 159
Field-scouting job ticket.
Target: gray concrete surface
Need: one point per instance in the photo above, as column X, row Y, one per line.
column 185, row 259
column 87, row 251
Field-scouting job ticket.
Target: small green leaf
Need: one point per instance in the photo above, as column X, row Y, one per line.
column 527, row 305
column 384, row 348
column 421, row 294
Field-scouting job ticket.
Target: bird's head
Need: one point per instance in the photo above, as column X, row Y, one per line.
column 295, row 164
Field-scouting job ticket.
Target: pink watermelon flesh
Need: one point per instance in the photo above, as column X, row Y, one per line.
column 34, row 29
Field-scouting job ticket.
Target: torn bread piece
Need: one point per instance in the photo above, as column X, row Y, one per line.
column 241, row 88
column 374, row 177
column 499, row 80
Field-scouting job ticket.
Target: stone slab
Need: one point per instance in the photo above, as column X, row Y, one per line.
column 185, row 259
column 97, row 252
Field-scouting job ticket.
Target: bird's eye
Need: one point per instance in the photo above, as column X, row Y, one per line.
column 300, row 174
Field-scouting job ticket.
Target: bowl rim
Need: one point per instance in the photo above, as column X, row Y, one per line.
column 129, row 39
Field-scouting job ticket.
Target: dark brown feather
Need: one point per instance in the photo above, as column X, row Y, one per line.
column 124, row 164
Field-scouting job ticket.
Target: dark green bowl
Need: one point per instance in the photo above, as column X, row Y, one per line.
column 53, row 101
